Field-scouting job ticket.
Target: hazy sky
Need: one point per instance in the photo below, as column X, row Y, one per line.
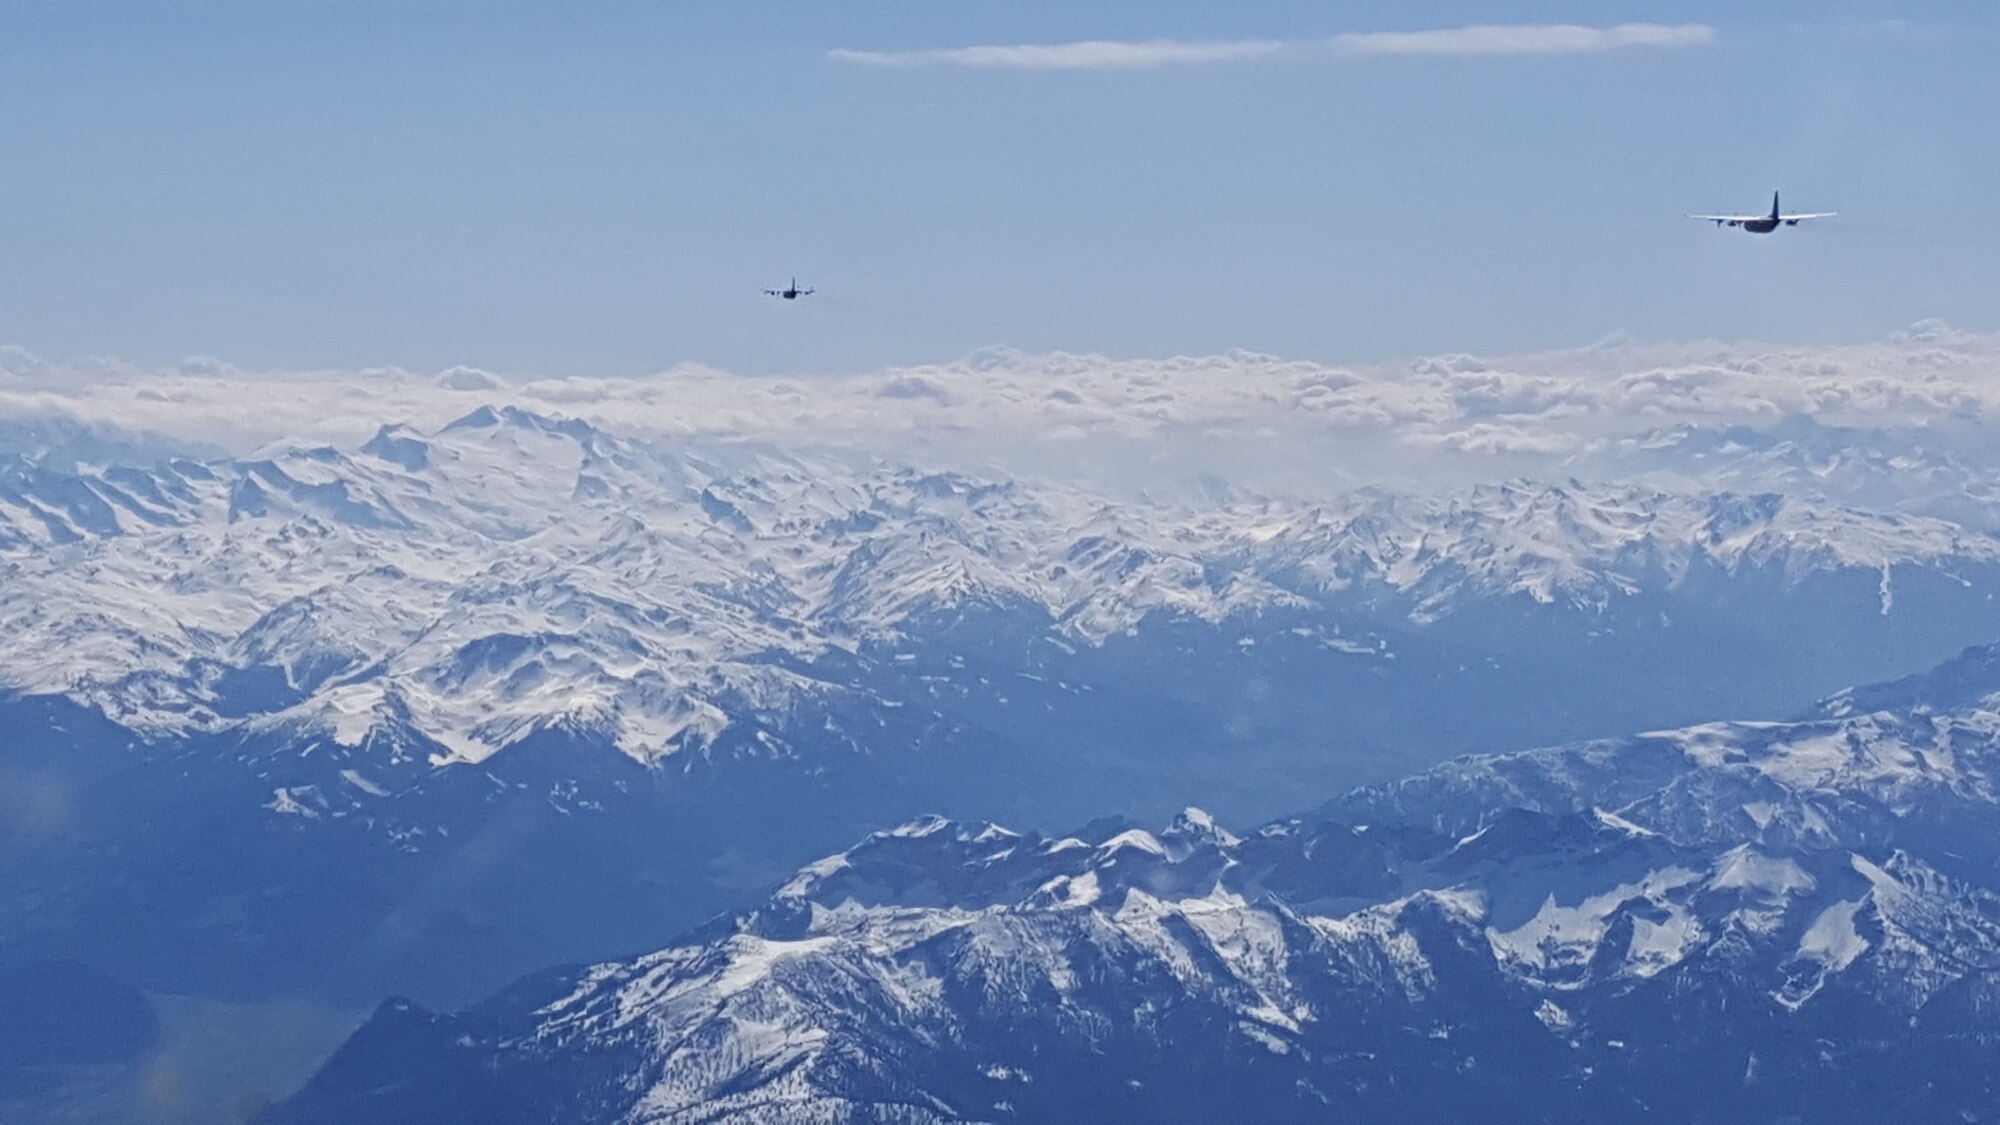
column 604, row 187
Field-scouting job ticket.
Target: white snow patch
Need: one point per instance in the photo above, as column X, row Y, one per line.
column 1137, row 839
column 1761, row 813
column 353, row 709
column 1264, row 1036
column 1561, row 936
column 1745, row 868
column 283, row 803
column 753, row 958
column 1657, row 946
column 1614, row 821
column 354, row 777
column 1832, row 939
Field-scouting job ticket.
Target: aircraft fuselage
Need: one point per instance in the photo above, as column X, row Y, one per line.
column 1763, row 224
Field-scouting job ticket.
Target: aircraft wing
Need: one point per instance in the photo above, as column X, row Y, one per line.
column 1809, row 215
column 1730, row 218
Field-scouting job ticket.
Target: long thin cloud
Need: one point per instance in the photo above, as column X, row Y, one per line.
column 1117, row 54
column 1093, row 54
column 1523, row 39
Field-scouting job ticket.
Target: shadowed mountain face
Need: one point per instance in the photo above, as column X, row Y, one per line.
column 532, row 692
column 62, row 1013
column 1796, row 921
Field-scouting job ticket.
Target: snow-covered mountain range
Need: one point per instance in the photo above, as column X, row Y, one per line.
column 549, row 691
column 1794, row 920
column 418, row 708
column 512, row 572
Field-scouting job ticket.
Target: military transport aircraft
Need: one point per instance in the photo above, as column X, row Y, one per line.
column 1763, row 224
column 791, row 292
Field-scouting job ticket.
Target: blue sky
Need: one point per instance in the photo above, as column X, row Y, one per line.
column 605, row 187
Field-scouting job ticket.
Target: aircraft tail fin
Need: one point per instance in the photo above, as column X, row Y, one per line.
column 1774, row 204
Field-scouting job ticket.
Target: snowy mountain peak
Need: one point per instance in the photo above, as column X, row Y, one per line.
column 912, row 969
column 556, row 577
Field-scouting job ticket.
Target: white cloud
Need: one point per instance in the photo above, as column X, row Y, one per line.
column 1523, row 39
column 1486, row 438
column 1120, row 54
column 204, row 365
column 1242, row 415
column 16, row 360
column 463, row 378
column 914, row 386
column 1095, row 54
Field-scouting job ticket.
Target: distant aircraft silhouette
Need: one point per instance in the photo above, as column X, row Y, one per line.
column 790, row 292
column 1763, row 224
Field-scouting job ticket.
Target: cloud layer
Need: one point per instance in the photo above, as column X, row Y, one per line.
column 1241, row 416
column 1117, row 54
